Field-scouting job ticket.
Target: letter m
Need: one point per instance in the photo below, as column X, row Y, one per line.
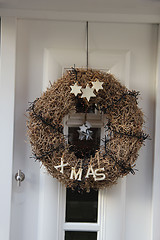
column 76, row 176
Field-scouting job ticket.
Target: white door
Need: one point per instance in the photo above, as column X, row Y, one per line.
column 43, row 50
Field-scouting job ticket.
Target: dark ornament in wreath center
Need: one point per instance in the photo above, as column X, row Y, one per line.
column 85, row 91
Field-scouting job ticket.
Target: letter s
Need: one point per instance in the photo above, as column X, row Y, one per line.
column 99, row 176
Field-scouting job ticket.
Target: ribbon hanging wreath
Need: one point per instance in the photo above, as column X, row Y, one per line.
column 123, row 138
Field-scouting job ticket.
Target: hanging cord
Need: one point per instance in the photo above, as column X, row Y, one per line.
column 87, row 42
column 75, row 71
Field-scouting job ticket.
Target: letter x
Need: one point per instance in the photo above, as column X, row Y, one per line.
column 61, row 166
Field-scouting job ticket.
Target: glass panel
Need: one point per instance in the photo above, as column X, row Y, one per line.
column 80, row 235
column 81, row 207
column 84, row 148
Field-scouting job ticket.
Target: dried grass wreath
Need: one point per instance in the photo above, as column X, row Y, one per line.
column 87, row 89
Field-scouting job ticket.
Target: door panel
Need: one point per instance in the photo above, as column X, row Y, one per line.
column 118, row 62
column 44, row 50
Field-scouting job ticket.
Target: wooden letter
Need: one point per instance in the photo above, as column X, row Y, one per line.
column 101, row 176
column 75, row 175
column 61, row 166
column 90, row 172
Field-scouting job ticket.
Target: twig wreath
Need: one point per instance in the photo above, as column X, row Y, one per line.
column 116, row 155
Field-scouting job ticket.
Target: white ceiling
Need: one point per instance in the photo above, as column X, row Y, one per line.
column 90, row 6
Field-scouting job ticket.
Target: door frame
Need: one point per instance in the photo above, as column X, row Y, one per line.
column 7, row 95
column 156, row 179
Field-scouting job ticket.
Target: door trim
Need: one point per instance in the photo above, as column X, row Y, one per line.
column 7, row 96
column 156, row 177
column 79, row 16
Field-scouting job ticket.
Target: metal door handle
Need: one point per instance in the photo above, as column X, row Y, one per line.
column 19, row 177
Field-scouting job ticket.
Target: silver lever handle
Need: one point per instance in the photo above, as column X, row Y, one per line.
column 19, row 177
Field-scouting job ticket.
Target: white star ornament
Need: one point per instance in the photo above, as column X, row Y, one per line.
column 84, row 132
column 87, row 124
column 97, row 85
column 75, row 89
column 87, row 93
column 89, row 134
column 85, row 135
column 83, row 128
column 81, row 135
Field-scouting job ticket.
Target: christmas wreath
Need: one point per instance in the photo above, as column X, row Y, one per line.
column 87, row 90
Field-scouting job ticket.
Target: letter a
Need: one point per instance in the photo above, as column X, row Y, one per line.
column 90, row 172
column 75, row 175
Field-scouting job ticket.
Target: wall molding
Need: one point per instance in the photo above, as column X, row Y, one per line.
column 79, row 16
